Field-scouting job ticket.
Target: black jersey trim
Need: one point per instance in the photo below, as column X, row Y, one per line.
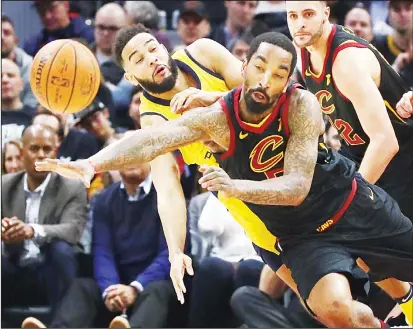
column 185, row 67
column 156, row 100
column 154, row 113
column 231, row 147
column 354, row 44
column 216, row 75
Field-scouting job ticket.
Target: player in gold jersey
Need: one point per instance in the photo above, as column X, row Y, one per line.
column 195, row 76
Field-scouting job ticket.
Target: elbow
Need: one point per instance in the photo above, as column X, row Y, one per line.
column 300, row 194
column 388, row 143
column 393, row 146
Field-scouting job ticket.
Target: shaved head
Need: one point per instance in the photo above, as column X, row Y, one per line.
column 109, row 19
column 39, row 143
column 112, row 9
column 37, row 131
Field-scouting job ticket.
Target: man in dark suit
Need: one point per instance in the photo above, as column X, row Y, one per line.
column 131, row 266
column 43, row 218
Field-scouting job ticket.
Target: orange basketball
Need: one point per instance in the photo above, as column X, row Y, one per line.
column 65, row 76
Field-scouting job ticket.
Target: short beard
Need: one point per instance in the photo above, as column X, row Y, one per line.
column 166, row 85
column 314, row 38
column 256, row 107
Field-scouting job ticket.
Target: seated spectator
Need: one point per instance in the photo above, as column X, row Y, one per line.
column 130, row 257
column 262, row 308
column 109, row 19
column 43, row 218
column 95, row 120
column 192, row 22
column 241, row 46
column 359, row 20
column 134, row 112
column 232, row 263
column 11, row 157
column 9, row 49
column 332, row 137
column 57, row 25
column 401, row 20
column 403, row 65
column 274, row 15
column 240, row 15
column 15, row 115
column 146, row 13
column 74, row 144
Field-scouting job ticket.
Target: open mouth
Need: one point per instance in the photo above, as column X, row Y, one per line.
column 160, row 70
column 259, row 97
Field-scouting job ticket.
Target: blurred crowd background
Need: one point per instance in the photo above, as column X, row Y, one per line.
column 71, row 243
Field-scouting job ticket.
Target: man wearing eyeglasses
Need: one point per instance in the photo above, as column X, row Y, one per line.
column 57, row 25
column 109, row 19
column 193, row 23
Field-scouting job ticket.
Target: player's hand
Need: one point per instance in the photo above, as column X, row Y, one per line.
column 80, row 169
column 192, row 98
column 215, row 179
column 179, row 263
column 405, row 106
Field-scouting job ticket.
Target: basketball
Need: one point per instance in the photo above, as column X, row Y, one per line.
column 65, row 76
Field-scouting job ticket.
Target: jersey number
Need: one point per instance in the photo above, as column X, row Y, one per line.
column 347, row 133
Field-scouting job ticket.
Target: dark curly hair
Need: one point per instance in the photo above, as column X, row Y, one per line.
column 123, row 37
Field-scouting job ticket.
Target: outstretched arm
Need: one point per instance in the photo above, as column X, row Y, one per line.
column 305, row 123
column 146, row 144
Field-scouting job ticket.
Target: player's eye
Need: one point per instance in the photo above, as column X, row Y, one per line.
column 152, row 49
column 278, row 76
column 293, row 16
column 259, row 68
column 310, row 14
column 139, row 61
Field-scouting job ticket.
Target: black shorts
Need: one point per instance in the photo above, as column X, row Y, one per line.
column 372, row 228
column 273, row 260
column 397, row 181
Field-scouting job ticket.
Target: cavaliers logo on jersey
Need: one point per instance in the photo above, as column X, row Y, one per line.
column 266, row 155
column 324, row 97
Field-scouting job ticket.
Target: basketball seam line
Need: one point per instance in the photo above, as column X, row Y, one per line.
column 74, row 80
column 48, row 73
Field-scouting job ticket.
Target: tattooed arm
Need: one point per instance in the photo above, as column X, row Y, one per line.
column 146, row 144
column 305, row 123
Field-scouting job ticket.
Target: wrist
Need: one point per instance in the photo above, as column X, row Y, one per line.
column 28, row 232
column 91, row 163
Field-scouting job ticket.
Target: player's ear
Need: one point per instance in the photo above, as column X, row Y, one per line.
column 286, row 85
column 131, row 78
column 326, row 14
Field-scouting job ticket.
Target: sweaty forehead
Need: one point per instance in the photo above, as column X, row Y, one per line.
column 138, row 42
column 274, row 55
